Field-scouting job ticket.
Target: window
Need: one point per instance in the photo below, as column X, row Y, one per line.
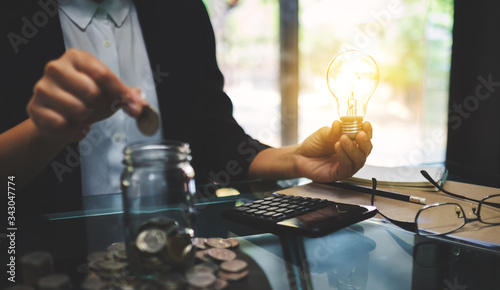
column 409, row 39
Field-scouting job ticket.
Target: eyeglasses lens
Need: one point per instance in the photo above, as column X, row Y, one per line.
column 441, row 219
column 490, row 210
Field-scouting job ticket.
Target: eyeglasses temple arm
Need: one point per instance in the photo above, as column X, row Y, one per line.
column 429, row 178
column 409, row 226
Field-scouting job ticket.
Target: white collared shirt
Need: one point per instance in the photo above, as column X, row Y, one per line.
column 110, row 31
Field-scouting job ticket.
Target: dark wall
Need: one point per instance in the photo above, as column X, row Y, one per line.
column 473, row 152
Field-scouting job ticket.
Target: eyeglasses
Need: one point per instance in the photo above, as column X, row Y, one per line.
column 444, row 218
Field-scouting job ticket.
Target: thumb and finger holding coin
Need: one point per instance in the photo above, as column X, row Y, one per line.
column 146, row 116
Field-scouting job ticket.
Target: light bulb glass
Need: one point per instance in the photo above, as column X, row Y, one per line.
column 352, row 77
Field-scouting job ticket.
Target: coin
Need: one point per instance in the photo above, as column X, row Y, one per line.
column 178, row 252
column 220, row 284
column 171, row 281
column 115, row 247
column 111, row 269
column 213, row 267
column 232, row 276
column 120, row 255
column 111, row 265
column 148, row 121
column 151, row 241
column 54, row 281
column 201, row 256
column 234, row 266
column 96, row 256
column 234, row 243
column 220, row 254
column 201, row 280
column 218, row 243
column 200, row 243
column 125, row 283
column 94, row 283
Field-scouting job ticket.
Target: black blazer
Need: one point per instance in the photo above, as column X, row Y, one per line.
column 179, row 41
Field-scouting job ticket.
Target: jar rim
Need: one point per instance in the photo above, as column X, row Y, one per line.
column 181, row 147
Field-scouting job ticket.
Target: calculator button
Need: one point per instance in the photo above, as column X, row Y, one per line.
column 252, row 210
column 269, row 198
column 255, row 205
column 272, row 208
column 263, row 207
column 258, row 201
column 260, row 212
column 266, row 202
column 281, row 209
column 269, row 213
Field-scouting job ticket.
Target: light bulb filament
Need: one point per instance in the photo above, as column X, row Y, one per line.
column 351, row 111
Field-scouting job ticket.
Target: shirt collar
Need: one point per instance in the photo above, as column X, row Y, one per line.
column 81, row 12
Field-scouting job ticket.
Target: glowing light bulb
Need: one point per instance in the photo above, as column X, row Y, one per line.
column 352, row 77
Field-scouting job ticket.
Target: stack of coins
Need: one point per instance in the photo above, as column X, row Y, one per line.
column 36, row 266
column 233, row 270
column 217, row 261
column 94, row 283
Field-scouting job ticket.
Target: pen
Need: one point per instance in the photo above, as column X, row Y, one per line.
column 388, row 194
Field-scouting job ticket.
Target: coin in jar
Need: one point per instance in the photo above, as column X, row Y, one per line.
column 232, row 276
column 220, row 254
column 234, row 266
column 201, row 280
column 218, row 243
column 148, row 121
column 151, row 241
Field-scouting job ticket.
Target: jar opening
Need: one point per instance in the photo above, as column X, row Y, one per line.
column 156, row 152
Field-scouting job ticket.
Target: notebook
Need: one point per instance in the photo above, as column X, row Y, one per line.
column 405, row 176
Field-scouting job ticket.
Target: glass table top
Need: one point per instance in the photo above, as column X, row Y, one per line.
column 368, row 255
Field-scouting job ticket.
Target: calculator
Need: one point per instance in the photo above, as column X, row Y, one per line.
column 297, row 215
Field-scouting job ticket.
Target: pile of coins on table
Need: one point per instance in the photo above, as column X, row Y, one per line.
column 218, row 264
column 159, row 246
column 216, row 267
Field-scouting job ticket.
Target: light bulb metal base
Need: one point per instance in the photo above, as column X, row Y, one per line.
column 351, row 125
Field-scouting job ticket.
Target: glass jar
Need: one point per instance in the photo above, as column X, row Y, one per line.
column 158, row 190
